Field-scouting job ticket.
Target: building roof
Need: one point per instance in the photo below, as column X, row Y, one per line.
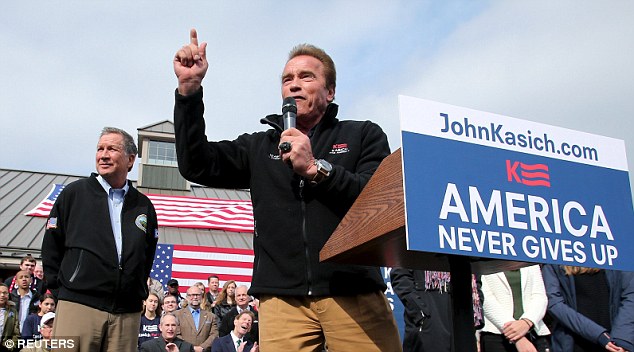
column 21, row 191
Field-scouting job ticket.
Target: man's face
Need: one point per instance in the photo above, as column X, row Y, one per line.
column 23, row 279
column 304, row 79
column 4, row 296
column 168, row 327
column 213, row 284
column 28, row 266
column 242, row 298
column 194, row 295
column 112, row 161
column 47, row 330
column 38, row 272
column 169, row 304
column 242, row 324
column 173, row 289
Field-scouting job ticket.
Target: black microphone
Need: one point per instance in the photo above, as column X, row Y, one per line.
column 289, row 112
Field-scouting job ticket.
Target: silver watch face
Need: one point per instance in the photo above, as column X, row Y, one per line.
column 324, row 167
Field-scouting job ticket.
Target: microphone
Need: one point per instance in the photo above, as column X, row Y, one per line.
column 289, row 112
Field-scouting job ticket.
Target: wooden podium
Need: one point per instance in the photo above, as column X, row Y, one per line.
column 373, row 233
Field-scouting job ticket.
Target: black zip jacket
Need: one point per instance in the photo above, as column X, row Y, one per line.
column 79, row 252
column 293, row 218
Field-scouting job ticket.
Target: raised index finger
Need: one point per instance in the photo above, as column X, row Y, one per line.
column 193, row 36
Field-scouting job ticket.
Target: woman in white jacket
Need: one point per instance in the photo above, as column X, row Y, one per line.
column 514, row 305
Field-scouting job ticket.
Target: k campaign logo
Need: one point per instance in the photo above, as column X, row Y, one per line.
column 528, row 174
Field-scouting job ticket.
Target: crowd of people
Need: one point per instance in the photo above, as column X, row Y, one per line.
column 540, row 308
column 535, row 308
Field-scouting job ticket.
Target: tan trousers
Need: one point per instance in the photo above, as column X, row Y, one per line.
column 95, row 330
column 345, row 323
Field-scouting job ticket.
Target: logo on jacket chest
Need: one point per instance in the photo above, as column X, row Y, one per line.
column 141, row 222
column 339, row 148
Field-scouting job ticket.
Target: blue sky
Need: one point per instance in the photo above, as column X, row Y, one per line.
column 71, row 67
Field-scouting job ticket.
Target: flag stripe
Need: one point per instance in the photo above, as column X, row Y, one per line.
column 194, row 254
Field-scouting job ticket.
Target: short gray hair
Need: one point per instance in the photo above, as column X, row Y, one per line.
column 171, row 315
column 128, row 142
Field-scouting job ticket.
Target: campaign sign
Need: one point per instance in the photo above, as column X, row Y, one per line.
column 485, row 185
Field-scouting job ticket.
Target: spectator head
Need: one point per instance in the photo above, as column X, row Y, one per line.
column 172, row 286
column 151, row 303
column 242, row 297
column 23, row 279
column 169, row 326
column 194, row 296
column 28, row 263
column 4, row 295
column 242, row 323
column 46, row 325
column 47, row 303
column 213, row 282
column 39, row 272
column 170, row 304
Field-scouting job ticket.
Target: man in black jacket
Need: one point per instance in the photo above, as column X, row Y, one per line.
column 300, row 193
column 98, row 249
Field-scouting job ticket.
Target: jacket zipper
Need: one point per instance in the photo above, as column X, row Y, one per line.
column 81, row 255
column 309, row 273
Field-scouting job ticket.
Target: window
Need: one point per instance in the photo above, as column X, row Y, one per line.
column 162, row 153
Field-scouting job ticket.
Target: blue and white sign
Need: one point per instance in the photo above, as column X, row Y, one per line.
column 486, row 185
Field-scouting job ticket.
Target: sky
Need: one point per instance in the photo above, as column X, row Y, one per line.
column 70, row 68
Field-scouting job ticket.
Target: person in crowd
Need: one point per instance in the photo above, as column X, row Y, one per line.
column 242, row 304
column 46, row 329
column 27, row 301
column 98, row 250
column 203, row 303
column 428, row 312
column 515, row 303
column 235, row 341
column 169, row 341
column 170, row 304
column 302, row 181
column 592, row 309
column 31, row 328
column 38, row 272
column 213, row 283
column 198, row 326
column 28, row 263
column 173, row 290
column 9, row 321
column 150, row 318
column 225, row 300
column 156, row 287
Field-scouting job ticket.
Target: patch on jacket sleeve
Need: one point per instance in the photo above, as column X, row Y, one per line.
column 141, row 222
column 156, row 233
column 51, row 223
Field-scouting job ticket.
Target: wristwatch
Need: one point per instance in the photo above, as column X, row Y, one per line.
column 324, row 169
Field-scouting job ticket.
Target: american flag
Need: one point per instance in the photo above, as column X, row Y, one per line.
column 191, row 264
column 44, row 208
column 182, row 211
